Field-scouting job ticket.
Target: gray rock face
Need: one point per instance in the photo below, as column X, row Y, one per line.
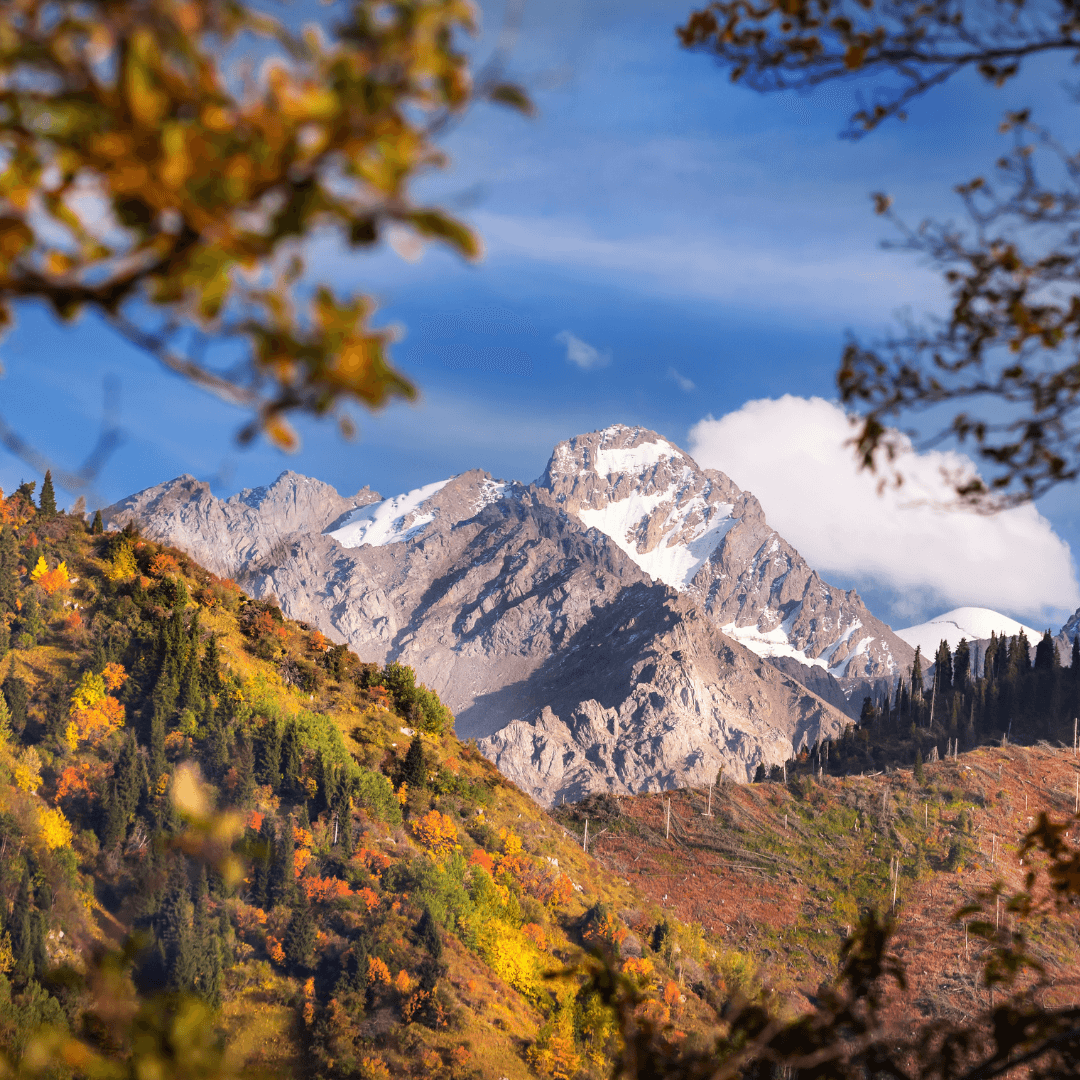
column 696, row 531
column 606, row 628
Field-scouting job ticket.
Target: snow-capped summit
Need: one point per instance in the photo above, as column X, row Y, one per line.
column 972, row 623
column 695, row 530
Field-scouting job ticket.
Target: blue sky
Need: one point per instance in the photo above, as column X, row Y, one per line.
column 713, row 247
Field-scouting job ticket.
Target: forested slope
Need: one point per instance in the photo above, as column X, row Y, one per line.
column 284, row 834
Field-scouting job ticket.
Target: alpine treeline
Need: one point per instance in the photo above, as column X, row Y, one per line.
column 970, row 697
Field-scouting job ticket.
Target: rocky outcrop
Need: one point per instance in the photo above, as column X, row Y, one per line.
column 601, row 629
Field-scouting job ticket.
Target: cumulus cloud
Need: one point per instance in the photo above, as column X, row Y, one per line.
column 681, row 381
column 790, row 453
column 586, row 356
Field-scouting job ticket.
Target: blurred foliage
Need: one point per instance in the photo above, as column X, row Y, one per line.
column 1003, row 362
column 146, row 176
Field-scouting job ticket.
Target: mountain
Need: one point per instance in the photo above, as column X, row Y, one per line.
column 972, row 623
column 620, row 624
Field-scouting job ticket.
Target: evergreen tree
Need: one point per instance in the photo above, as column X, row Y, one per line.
column 943, row 673
column 210, row 668
column 217, row 753
column 21, row 930
column 920, row 772
column 916, row 676
column 413, row 771
column 245, row 770
column 264, row 860
column 961, row 665
column 207, row 942
column 283, row 868
column 47, row 502
column 18, row 700
column 292, row 763
column 127, row 787
column 1046, row 657
column 268, row 759
column 9, row 569
column 427, row 934
column 98, row 526
column 299, row 942
column 176, row 938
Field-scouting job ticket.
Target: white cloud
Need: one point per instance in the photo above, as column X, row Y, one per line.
column 681, row 381
column 790, row 453
column 586, row 356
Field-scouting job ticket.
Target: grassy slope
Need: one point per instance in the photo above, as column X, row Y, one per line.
column 780, row 873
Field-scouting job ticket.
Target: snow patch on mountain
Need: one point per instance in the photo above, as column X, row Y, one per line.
column 391, row 521
column 677, row 557
column 633, row 460
column 972, row 623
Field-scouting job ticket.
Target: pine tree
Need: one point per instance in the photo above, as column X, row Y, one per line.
column 916, row 676
column 920, row 772
column 427, row 934
column 98, row 526
column 299, row 942
column 47, row 502
column 18, row 700
column 245, row 770
column 413, row 771
column 961, row 665
column 292, row 764
column 1046, row 657
column 268, row 759
column 207, row 943
column 264, row 860
column 943, row 673
column 9, row 569
column 283, row 868
column 21, row 930
column 176, row 937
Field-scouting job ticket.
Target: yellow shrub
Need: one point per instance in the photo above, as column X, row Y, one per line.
column 437, row 833
column 27, row 770
column 55, row 829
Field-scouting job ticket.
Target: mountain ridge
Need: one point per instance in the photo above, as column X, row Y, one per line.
column 488, row 589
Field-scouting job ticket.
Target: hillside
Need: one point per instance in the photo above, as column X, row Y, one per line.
column 781, row 872
column 397, row 904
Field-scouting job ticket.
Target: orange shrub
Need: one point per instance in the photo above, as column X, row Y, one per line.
column 93, row 714
column 370, row 899
column 402, row 982
column 163, row 564
column 535, row 933
column 319, row 889
column 254, row 820
column 73, row 622
column 378, row 974
column 481, row 858
column 113, row 676
column 50, row 581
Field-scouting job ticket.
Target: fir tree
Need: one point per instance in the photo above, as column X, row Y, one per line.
column 207, row 942
column 264, row 860
column 173, row 923
column 916, row 676
column 299, row 942
column 98, row 526
column 920, row 772
column 961, row 665
column 21, row 930
column 1046, row 657
column 245, row 770
column 283, row 867
column 47, row 502
column 413, row 771
column 18, row 700
column 268, row 766
column 943, row 673
column 427, row 934
column 9, row 569
column 292, row 763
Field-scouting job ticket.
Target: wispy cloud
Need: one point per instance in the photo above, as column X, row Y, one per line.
column 585, row 356
column 681, row 381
